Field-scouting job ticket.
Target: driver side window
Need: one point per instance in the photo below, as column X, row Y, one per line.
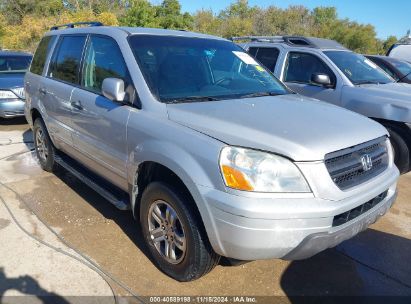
column 103, row 59
column 301, row 66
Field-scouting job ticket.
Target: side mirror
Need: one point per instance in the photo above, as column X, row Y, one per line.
column 113, row 89
column 321, row 79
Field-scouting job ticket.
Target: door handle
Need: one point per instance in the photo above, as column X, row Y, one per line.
column 77, row 105
column 43, row 91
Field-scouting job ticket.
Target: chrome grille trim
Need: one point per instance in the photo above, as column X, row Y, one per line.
column 346, row 169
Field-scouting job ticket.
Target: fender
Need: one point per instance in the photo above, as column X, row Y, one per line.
column 186, row 167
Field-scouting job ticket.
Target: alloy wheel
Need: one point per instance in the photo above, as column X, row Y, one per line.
column 166, row 232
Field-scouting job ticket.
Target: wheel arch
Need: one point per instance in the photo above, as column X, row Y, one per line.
column 167, row 162
column 399, row 127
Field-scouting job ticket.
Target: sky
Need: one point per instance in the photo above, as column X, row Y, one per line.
column 388, row 17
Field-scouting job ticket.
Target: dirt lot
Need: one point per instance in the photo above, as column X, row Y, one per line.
column 376, row 262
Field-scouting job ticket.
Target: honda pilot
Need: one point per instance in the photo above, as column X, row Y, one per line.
column 211, row 153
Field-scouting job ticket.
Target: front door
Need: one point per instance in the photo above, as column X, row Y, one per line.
column 298, row 70
column 99, row 123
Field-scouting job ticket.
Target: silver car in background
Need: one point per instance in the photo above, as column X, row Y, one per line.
column 325, row 70
column 13, row 66
column 213, row 155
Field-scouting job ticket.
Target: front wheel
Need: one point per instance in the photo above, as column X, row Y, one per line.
column 174, row 233
column 44, row 147
column 400, row 149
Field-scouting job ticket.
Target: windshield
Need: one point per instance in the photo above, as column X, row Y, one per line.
column 14, row 64
column 357, row 68
column 402, row 66
column 181, row 69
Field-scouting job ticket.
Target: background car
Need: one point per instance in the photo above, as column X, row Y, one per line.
column 13, row 66
column 400, row 70
column 326, row 70
column 402, row 49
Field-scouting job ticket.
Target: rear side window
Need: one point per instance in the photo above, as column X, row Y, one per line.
column 66, row 59
column 39, row 59
column 103, row 60
column 301, row 66
column 268, row 57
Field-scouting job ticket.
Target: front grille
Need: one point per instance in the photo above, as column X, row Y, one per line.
column 353, row 213
column 347, row 169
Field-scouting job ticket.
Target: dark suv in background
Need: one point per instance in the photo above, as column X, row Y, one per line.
column 398, row 69
column 13, row 66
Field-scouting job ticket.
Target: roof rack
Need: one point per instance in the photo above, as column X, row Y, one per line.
column 302, row 41
column 259, row 38
column 74, row 24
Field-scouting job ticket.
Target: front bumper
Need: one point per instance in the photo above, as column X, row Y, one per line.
column 290, row 228
column 317, row 242
column 11, row 108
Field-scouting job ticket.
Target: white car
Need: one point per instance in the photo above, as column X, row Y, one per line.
column 402, row 49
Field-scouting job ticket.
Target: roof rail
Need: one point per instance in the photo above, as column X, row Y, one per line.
column 259, row 38
column 301, row 41
column 72, row 25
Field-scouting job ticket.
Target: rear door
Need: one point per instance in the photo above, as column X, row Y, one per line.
column 63, row 76
column 33, row 78
column 298, row 69
column 99, row 123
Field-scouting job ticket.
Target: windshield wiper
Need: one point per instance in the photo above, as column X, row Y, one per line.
column 369, row 82
column 191, row 99
column 259, row 94
column 403, row 77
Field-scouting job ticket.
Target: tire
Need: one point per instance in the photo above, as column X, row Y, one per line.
column 401, row 150
column 44, row 147
column 197, row 257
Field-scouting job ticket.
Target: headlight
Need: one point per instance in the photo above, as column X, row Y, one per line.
column 7, row 94
column 251, row 170
column 19, row 92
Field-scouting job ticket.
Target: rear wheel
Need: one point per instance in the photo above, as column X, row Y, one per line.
column 174, row 234
column 400, row 149
column 44, row 147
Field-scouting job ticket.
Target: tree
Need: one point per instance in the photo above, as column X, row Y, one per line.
column 170, row 17
column 23, row 22
column 237, row 19
column 140, row 13
column 388, row 43
column 295, row 20
column 206, row 22
column 15, row 10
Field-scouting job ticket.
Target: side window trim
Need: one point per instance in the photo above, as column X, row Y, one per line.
column 50, row 54
column 49, row 50
column 332, row 74
column 135, row 100
column 56, row 51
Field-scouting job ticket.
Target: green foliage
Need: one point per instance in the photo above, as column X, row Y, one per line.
column 166, row 15
column 141, row 13
column 388, row 43
column 23, row 22
column 206, row 22
column 170, row 17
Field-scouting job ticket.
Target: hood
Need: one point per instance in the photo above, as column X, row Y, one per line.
column 11, row 80
column 391, row 101
column 300, row 128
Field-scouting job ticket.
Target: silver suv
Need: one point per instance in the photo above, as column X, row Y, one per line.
column 213, row 155
column 324, row 69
